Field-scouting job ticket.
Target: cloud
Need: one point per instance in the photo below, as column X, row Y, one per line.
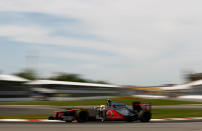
column 153, row 38
column 20, row 32
column 42, row 35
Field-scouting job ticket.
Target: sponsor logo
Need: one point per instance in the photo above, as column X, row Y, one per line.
column 109, row 113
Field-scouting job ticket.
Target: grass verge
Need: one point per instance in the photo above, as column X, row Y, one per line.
column 125, row 100
column 156, row 114
column 176, row 113
column 24, row 116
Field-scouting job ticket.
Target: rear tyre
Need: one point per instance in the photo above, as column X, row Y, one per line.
column 145, row 116
column 130, row 119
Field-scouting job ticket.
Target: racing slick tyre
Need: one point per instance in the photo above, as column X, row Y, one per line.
column 145, row 116
column 68, row 121
column 50, row 118
column 82, row 116
column 130, row 119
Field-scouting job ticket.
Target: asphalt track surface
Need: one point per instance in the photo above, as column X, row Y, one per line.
column 109, row 126
column 27, row 110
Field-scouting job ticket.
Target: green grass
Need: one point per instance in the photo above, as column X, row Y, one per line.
column 126, row 100
column 24, row 116
column 176, row 113
column 156, row 114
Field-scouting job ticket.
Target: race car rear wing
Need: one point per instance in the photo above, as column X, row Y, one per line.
column 139, row 106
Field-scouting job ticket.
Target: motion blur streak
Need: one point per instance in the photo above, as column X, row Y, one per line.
column 188, row 126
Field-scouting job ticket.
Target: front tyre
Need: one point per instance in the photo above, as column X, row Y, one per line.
column 51, row 118
column 82, row 116
column 68, row 121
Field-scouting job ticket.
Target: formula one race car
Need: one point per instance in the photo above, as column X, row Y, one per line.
column 112, row 111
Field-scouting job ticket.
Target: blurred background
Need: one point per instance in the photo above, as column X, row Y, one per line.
column 27, row 86
column 60, row 50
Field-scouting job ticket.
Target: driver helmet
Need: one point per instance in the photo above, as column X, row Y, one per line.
column 102, row 106
column 109, row 102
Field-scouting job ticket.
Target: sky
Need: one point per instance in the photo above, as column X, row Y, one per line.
column 126, row 42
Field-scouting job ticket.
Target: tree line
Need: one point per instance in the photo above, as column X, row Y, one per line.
column 31, row 74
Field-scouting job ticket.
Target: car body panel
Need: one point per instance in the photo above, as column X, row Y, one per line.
column 112, row 111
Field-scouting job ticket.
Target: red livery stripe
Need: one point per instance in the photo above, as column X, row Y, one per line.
column 33, row 120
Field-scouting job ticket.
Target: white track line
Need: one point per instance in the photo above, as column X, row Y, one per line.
column 177, row 119
column 55, row 121
column 12, row 120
